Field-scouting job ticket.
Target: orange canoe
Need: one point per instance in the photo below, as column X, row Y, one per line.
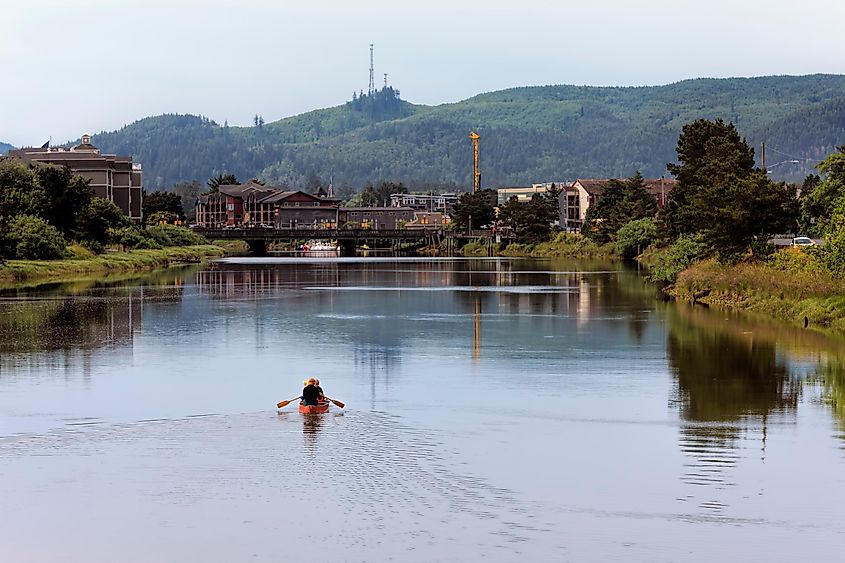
column 313, row 409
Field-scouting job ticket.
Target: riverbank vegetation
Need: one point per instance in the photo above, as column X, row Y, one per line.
column 81, row 262
column 53, row 227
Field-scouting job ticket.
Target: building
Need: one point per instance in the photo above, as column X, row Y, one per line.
column 115, row 178
column 425, row 202
column 583, row 193
column 252, row 205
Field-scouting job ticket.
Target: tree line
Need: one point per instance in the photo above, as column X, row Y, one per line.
column 45, row 209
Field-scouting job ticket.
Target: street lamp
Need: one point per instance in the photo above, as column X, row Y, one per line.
column 769, row 168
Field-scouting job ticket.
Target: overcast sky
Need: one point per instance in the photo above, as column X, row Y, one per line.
column 70, row 67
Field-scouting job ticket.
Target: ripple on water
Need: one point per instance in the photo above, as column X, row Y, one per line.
column 362, row 482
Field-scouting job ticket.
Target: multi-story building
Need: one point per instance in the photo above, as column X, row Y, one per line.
column 253, row 205
column 425, row 202
column 115, row 178
column 583, row 193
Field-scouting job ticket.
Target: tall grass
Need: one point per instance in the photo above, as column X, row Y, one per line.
column 792, row 285
column 82, row 264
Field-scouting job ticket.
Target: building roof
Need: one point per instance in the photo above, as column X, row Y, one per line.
column 594, row 186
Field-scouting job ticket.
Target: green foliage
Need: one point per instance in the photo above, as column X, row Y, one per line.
column 712, row 157
column 667, row 263
column 49, row 192
column 619, row 203
column 222, row 180
column 721, row 196
column 98, row 222
column 531, row 221
column 171, row 235
column 474, row 209
column 635, row 236
column 379, row 197
column 188, row 193
column 20, row 190
column 159, row 217
column 28, row 237
column 822, row 196
column 529, row 134
column 833, row 251
column 67, row 195
column 162, row 206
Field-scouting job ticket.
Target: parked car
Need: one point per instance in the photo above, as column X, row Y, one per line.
column 803, row 241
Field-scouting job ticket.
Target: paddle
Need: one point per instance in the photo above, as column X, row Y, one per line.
column 336, row 402
column 283, row 404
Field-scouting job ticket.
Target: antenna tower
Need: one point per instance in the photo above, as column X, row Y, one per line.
column 372, row 73
column 385, row 81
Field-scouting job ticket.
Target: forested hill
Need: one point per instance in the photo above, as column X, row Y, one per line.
column 528, row 134
column 4, row 148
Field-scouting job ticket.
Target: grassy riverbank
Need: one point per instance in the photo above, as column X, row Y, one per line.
column 790, row 287
column 563, row 245
column 85, row 265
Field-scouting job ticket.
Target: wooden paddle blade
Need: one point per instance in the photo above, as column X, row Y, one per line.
column 286, row 403
column 336, row 402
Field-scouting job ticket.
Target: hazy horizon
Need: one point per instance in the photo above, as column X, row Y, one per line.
column 96, row 65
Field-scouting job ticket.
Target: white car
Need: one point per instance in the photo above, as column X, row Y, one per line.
column 803, row 241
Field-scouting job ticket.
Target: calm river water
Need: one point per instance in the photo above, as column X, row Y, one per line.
column 497, row 410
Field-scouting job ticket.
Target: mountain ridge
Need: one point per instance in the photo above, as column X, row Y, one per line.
column 528, row 134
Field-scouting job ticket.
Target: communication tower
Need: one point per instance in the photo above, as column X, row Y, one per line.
column 372, row 73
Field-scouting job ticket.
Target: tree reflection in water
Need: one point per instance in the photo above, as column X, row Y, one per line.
column 729, row 386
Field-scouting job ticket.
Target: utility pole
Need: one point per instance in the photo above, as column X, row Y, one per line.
column 476, row 178
column 763, row 156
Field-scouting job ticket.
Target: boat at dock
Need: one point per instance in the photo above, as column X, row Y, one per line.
column 320, row 246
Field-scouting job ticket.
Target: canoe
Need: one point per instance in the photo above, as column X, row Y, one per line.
column 313, row 409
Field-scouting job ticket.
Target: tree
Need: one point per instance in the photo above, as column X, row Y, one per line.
column 222, row 180
column 818, row 204
column 721, row 196
column 32, row 238
column 67, row 196
column 711, row 155
column 97, row 223
column 604, row 219
column 635, row 236
column 386, row 189
column 162, row 202
column 188, row 193
column 532, row 220
column 638, row 202
column 21, row 192
column 474, row 209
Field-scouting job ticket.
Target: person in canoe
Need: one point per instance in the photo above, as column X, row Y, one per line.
column 312, row 393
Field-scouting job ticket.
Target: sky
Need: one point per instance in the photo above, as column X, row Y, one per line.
column 86, row 66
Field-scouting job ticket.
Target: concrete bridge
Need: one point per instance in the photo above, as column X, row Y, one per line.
column 348, row 239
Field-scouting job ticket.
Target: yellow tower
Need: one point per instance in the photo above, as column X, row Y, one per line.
column 476, row 184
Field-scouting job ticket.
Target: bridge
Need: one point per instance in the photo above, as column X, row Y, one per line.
column 348, row 239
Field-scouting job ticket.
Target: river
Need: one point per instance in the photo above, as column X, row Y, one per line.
column 496, row 409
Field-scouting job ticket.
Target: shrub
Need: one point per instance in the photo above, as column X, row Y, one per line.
column 33, row 238
column 669, row 262
column 171, row 235
column 635, row 236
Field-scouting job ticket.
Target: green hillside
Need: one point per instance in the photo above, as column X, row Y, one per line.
column 528, row 134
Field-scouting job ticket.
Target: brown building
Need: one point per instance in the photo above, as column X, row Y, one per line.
column 115, row 178
column 252, row 205
column 577, row 198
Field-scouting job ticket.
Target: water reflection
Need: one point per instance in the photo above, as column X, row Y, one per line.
column 729, row 386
